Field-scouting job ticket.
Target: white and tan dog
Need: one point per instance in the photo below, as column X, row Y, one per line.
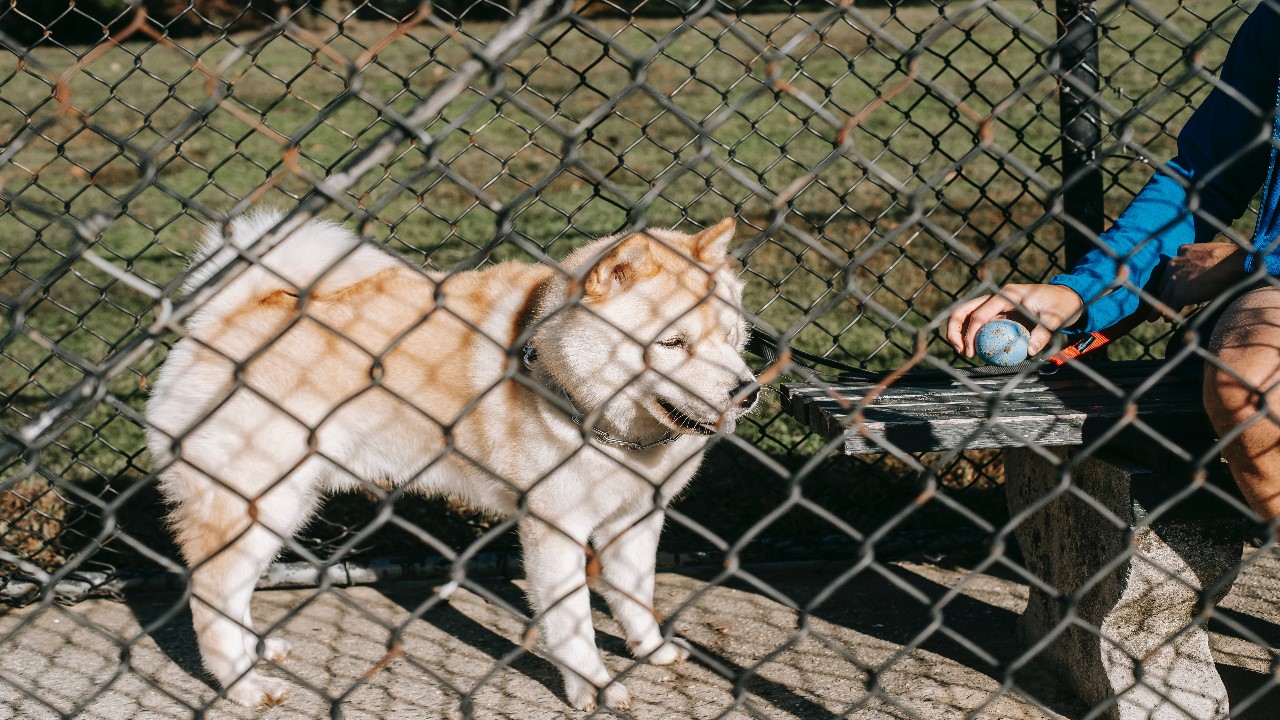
column 330, row 364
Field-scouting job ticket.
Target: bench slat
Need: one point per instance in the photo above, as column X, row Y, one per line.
column 989, row 412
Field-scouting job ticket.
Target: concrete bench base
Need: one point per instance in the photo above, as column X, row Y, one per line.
column 1115, row 601
column 1130, row 637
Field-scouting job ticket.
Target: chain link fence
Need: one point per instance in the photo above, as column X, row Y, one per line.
column 882, row 161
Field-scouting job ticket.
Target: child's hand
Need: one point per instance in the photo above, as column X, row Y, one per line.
column 1049, row 307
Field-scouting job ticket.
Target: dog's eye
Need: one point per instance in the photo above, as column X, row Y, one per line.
column 673, row 342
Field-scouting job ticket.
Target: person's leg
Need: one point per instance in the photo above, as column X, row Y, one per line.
column 1242, row 395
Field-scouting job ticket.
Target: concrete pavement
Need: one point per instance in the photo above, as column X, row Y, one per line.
column 872, row 649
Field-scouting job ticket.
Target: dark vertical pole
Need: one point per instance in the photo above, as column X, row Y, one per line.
column 1077, row 55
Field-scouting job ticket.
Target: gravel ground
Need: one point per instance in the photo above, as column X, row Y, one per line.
column 137, row 659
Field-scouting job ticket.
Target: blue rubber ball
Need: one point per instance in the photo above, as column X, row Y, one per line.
column 1002, row 342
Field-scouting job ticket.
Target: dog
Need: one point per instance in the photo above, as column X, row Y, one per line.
column 579, row 398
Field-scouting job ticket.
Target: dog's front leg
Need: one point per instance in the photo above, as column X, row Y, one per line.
column 554, row 561
column 221, row 589
column 628, row 555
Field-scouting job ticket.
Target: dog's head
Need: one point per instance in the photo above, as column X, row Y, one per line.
column 649, row 328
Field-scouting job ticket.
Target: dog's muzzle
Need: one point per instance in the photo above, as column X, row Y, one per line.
column 746, row 394
column 685, row 422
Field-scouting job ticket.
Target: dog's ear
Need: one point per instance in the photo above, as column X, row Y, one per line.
column 711, row 245
column 620, row 268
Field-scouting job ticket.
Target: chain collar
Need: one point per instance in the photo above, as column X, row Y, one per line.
column 531, row 356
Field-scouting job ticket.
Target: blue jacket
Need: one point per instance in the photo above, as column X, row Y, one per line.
column 1226, row 151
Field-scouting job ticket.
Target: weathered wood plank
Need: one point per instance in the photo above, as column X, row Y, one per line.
column 989, row 412
column 948, row 434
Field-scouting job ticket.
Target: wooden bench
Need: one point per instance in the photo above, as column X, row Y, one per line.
column 1124, row 538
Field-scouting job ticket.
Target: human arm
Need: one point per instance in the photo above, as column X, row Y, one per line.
column 1223, row 155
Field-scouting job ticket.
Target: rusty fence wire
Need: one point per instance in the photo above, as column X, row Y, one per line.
column 882, row 161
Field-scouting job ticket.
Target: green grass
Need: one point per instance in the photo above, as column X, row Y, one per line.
column 908, row 218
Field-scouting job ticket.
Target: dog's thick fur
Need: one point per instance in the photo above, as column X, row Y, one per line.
column 330, row 364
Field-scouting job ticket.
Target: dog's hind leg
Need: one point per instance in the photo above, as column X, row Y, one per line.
column 554, row 561
column 628, row 550
column 228, row 540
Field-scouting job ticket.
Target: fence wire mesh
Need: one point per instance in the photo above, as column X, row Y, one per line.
column 883, row 162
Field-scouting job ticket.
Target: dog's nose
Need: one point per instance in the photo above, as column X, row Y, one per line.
column 746, row 393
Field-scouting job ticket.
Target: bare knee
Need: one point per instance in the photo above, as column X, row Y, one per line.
column 1241, row 379
column 1232, row 398
column 1238, row 381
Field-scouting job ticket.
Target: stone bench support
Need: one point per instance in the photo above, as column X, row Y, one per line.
column 1131, row 636
column 1120, row 580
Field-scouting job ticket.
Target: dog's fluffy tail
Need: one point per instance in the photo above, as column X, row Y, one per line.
column 316, row 255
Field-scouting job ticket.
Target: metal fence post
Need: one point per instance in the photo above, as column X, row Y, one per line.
column 1077, row 60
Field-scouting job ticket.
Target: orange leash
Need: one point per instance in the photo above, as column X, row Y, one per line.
column 1099, row 339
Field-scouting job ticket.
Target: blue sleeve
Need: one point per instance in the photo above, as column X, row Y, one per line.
column 1223, row 154
column 1152, row 228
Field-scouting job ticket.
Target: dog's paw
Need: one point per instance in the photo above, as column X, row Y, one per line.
column 668, row 653
column 617, row 696
column 276, row 649
column 257, row 690
column 582, row 695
